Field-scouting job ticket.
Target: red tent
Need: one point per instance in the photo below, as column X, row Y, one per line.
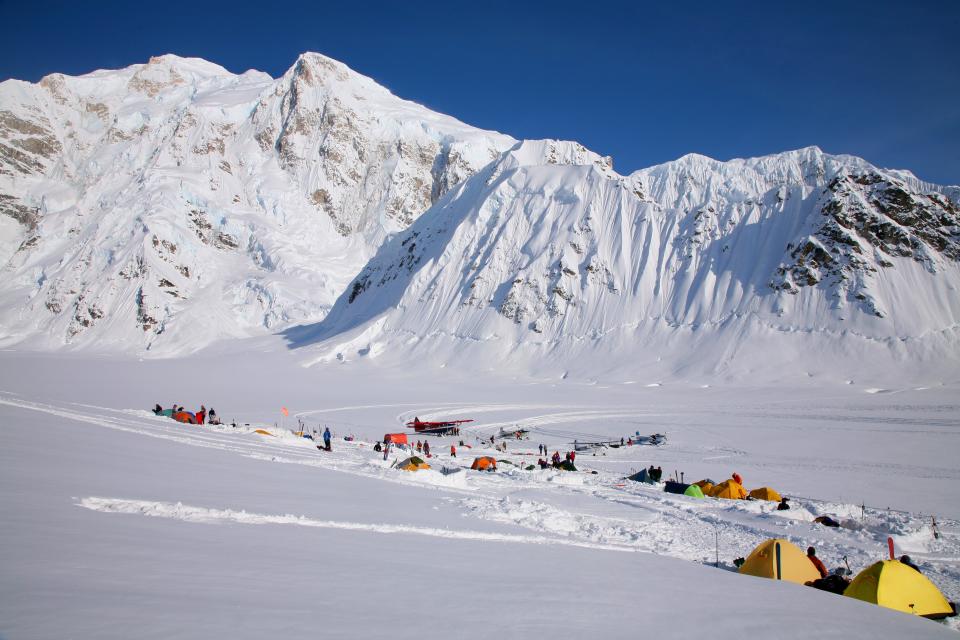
column 396, row 438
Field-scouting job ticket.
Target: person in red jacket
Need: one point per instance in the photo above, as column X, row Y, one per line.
column 453, row 451
column 202, row 414
column 737, row 478
column 812, row 557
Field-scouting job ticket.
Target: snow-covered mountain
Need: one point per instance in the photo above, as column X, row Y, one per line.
column 169, row 205
column 548, row 254
column 178, row 199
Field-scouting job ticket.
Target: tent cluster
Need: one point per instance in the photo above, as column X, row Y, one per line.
column 888, row 583
column 683, row 489
column 731, row 489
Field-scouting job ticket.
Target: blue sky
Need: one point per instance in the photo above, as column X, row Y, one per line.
column 643, row 82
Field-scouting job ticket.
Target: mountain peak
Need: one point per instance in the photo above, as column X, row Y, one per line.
column 557, row 152
column 188, row 63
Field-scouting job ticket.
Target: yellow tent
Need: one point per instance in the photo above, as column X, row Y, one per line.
column 706, row 486
column 729, row 489
column 263, row 432
column 765, row 493
column 790, row 564
column 892, row 584
column 413, row 464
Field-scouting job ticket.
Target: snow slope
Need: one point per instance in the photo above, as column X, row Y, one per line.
column 169, row 206
column 176, row 199
column 549, row 256
column 118, row 523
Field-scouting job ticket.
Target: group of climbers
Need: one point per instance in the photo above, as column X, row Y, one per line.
column 178, row 413
column 423, row 447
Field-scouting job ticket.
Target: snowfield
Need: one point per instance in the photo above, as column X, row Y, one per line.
column 312, row 251
column 118, row 523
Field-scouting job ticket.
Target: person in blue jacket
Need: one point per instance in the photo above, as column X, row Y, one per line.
column 326, row 438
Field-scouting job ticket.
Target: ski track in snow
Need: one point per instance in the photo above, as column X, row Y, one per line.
column 600, row 511
column 205, row 515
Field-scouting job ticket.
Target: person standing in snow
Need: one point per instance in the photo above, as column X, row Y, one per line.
column 737, row 478
column 453, row 451
column 326, row 438
column 212, row 416
column 202, row 414
column 419, row 446
column 812, row 557
column 783, row 506
column 386, row 451
column 426, row 448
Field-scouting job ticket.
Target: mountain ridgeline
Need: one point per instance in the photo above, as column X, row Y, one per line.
column 170, row 205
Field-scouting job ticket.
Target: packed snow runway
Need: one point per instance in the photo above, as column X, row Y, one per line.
column 171, row 529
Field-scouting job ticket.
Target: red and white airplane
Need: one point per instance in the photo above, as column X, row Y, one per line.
column 441, row 428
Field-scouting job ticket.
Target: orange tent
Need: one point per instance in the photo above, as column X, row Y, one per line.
column 185, row 416
column 396, row 438
column 484, row 463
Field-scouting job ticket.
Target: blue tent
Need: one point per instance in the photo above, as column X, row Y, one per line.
column 642, row 476
column 676, row 487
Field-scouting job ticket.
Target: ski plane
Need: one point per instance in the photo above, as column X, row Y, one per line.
column 440, row 428
column 655, row 440
column 512, row 434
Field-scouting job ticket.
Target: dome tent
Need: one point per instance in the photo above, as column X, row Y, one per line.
column 730, row 490
column 484, row 463
column 413, row 463
column 693, row 491
column 892, row 584
column 780, row 559
column 642, row 476
column 766, row 493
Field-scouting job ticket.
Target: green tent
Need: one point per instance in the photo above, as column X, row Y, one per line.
column 693, row 491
